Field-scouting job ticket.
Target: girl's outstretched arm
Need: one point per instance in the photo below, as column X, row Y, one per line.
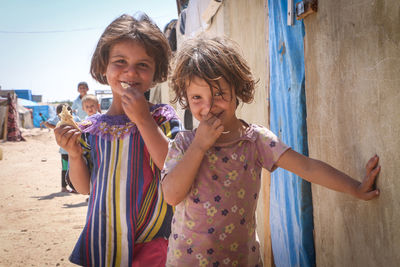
column 177, row 183
column 67, row 137
column 318, row 172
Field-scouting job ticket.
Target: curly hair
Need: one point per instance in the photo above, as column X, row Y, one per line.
column 141, row 30
column 211, row 59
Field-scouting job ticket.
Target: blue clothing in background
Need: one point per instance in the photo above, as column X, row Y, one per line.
column 77, row 105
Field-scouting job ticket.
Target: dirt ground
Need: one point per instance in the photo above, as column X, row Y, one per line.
column 39, row 225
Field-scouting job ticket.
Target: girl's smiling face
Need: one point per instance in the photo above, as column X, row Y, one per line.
column 222, row 103
column 129, row 63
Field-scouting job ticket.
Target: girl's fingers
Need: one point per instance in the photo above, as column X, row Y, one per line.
column 370, row 195
column 371, row 164
column 370, row 178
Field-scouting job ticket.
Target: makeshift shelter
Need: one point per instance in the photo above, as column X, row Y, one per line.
column 36, row 109
column 10, row 129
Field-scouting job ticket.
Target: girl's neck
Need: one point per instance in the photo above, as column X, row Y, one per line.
column 232, row 133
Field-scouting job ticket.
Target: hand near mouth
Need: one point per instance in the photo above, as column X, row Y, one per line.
column 135, row 104
column 209, row 130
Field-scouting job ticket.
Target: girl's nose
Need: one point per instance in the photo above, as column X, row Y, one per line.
column 131, row 70
column 206, row 108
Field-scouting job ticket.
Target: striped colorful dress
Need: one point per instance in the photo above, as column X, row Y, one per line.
column 126, row 206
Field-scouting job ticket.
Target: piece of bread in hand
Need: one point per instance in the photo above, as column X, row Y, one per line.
column 67, row 119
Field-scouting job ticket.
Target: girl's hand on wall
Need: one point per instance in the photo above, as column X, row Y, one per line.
column 209, row 130
column 366, row 190
column 67, row 137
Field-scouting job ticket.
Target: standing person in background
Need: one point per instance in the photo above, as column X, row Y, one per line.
column 77, row 108
column 122, row 151
column 51, row 124
column 90, row 105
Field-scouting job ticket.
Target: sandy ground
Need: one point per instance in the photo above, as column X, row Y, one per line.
column 39, row 225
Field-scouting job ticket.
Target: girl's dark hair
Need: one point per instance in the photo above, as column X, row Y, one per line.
column 211, row 59
column 142, row 31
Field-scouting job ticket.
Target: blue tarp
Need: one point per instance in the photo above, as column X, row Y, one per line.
column 24, row 93
column 291, row 203
column 26, row 103
column 44, row 109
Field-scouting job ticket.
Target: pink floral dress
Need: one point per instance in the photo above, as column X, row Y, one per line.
column 215, row 224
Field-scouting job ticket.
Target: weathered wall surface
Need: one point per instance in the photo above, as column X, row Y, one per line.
column 352, row 65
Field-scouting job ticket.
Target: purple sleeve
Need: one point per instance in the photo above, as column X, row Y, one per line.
column 176, row 149
column 269, row 148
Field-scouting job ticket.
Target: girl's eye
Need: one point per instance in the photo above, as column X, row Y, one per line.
column 143, row 65
column 119, row 61
column 218, row 94
column 196, row 97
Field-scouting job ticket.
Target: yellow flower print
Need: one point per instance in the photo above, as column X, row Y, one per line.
column 241, row 211
column 203, row 262
column 210, row 220
column 212, row 158
column 229, row 228
column 242, row 158
column 235, row 263
column 177, row 253
column 253, row 174
column 211, row 211
column 195, row 191
column 190, row 224
column 189, row 241
column 212, row 167
column 241, row 193
column 234, row 246
column 227, row 194
column 232, row 175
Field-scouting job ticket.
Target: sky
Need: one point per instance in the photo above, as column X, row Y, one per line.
column 46, row 45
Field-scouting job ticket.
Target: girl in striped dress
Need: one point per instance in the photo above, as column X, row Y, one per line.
column 116, row 157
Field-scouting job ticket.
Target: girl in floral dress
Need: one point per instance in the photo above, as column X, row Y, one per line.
column 122, row 152
column 213, row 173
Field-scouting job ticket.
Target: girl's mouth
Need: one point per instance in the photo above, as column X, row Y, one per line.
column 126, row 85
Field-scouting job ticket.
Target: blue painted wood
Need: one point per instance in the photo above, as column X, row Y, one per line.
column 291, row 201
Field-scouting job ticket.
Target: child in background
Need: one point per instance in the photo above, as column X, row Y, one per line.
column 43, row 122
column 90, row 105
column 213, row 173
column 128, row 221
column 77, row 108
column 51, row 124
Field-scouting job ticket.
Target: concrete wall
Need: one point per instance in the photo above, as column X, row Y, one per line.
column 352, row 65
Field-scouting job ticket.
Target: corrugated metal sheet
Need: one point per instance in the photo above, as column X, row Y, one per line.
column 291, row 203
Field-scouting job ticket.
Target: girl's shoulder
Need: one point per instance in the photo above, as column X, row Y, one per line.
column 163, row 112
